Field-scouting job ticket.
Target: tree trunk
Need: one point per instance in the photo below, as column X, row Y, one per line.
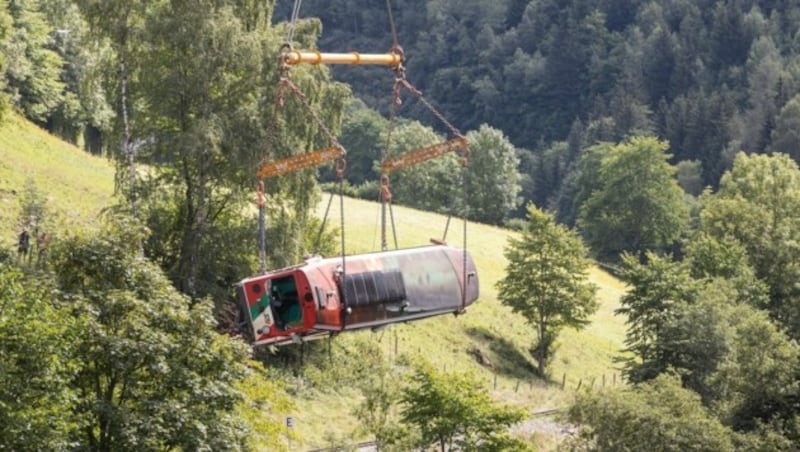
column 196, row 219
column 540, row 355
column 127, row 149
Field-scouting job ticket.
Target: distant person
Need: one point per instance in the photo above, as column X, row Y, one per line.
column 23, row 244
column 42, row 243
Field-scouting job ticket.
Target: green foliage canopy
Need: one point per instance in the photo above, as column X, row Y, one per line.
column 757, row 382
column 379, row 411
column 454, row 410
column 658, row 415
column 84, row 114
column 494, row 182
column 6, row 22
column 104, row 354
column 546, row 280
column 638, row 205
column 732, row 355
column 33, row 69
column 658, row 290
column 150, row 372
column 758, row 205
column 710, row 333
column 37, row 342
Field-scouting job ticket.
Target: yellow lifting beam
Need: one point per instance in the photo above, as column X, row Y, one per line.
column 298, row 162
column 314, row 57
column 423, row 154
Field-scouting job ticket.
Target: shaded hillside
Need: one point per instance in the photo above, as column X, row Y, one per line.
column 710, row 77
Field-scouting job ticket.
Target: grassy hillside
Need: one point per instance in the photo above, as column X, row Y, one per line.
column 77, row 186
column 500, row 334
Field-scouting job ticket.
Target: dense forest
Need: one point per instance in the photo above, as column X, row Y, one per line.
column 711, row 78
column 659, row 137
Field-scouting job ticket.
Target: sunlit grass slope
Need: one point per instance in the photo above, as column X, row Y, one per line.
column 76, row 185
column 500, row 334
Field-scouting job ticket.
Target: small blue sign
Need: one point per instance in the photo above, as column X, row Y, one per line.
column 289, row 422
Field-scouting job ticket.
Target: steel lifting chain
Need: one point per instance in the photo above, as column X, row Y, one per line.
column 334, row 142
column 340, row 163
column 385, row 192
column 270, row 144
column 413, row 90
column 401, row 82
column 285, row 83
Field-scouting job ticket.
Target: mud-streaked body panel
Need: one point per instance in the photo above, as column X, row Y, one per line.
column 329, row 295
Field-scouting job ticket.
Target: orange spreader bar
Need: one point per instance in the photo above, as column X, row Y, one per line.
column 422, row 154
column 298, row 162
column 314, row 57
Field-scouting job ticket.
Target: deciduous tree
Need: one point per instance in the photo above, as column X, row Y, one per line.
column 581, row 182
column 546, row 281
column 453, row 410
column 658, row 291
column 656, row 415
column 149, row 372
column 639, row 205
column 379, row 410
column 37, row 334
column 494, row 182
column 757, row 381
column 758, row 205
column 6, row 22
column 726, row 258
column 84, row 114
column 32, row 69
